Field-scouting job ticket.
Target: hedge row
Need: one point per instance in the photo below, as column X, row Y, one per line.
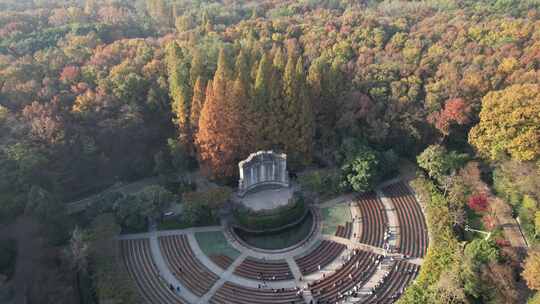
column 279, row 217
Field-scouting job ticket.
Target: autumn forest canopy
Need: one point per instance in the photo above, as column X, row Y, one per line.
column 97, row 92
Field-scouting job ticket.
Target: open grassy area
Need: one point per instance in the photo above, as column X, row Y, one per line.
column 335, row 216
column 214, row 243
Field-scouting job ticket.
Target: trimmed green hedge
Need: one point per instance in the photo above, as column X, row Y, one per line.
column 276, row 218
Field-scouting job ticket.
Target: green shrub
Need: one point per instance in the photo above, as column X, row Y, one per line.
column 323, row 182
column 201, row 207
column 265, row 220
column 360, row 165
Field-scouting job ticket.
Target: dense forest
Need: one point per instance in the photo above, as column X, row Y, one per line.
column 97, row 92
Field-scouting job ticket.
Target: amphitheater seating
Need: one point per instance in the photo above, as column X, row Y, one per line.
column 140, row 265
column 345, row 231
column 413, row 240
column 395, row 283
column 182, row 262
column 223, row 261
column 322, row 255
column 355, row 272
column 257, row 269
column 374, row 220
column 231, row 293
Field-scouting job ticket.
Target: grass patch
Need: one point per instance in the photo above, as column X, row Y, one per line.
column 334, row 216
column 214, row 243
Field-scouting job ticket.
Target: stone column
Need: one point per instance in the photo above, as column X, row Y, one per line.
column 273, row 169
column 263, row 172
column 252, row 177
column 283, row 170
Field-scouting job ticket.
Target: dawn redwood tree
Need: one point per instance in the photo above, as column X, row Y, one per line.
column 221, row 137
column 262, row 98
column 306, row 117
column 297, row 134
column 180, row 92
column 197, row 104
column 290, row 111
column 242, row 71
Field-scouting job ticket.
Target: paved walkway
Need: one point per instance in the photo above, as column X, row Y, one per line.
column 299, row 280
column 352, row 244
column 224, row 277
column 159, row 233
column 393, row 222
column 165, row 271
column 228, row 275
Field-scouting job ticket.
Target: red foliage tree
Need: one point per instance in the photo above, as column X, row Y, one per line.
column 455, row 111
column 489, row 222
column 69, row 74
column 478, row 202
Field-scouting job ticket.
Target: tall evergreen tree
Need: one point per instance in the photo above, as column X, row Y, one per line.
column 297, row 133
column 197, row 68
column 242, row 122
column 325, row 82
column 241, row 70
column 243, row 97
column 180, row 92
column 275, row 111
column 262, row 98
column 279, row 58
column 197, row 104
column 307, row 116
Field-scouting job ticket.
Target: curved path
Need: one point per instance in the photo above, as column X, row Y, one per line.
column 316, row 236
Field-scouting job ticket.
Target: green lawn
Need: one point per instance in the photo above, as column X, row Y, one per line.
column 334, row 216
column 214, row 242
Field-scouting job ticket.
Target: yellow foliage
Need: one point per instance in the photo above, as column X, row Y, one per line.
column 509, row 123
column 507, row 65
column 531, row 269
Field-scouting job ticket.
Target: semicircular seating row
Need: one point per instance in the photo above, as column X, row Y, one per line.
column 346, row 280
column 413, row 238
